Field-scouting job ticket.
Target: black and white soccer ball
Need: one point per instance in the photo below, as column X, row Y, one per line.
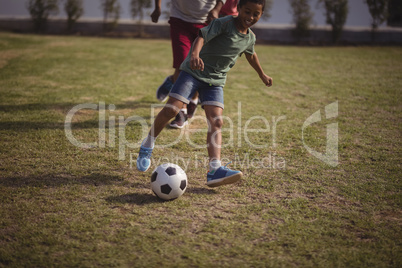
column 168, row 181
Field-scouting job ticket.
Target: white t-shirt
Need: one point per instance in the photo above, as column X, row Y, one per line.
column 193, row 11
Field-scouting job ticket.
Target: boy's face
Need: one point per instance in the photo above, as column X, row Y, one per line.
column 249, row 14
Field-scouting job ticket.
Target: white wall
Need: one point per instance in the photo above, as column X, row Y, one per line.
column 358, row 11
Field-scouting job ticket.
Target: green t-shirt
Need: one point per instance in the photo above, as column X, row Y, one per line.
column 223, row 44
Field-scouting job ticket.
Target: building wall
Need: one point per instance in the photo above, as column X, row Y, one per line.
column 269, row 34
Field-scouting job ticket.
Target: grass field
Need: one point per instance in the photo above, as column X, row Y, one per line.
column 68, row 206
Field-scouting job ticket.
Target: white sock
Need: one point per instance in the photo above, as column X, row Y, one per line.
column 214, row 165
column 149, row 142
column 195, row 101
column 184, row 110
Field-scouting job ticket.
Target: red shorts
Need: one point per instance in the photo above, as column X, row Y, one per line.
column 182, row 35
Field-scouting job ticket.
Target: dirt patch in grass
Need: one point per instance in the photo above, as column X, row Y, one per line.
column 6, row 56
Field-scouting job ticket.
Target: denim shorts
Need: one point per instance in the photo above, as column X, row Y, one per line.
column 186, row 86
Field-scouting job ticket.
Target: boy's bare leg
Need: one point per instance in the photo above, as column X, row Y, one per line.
column 214, row 136
column 217, row 175
column 172, row 107
column 170, row 110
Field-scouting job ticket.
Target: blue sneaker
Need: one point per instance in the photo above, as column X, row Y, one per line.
column 163, row 90
column 144, row 159
column 223, row 176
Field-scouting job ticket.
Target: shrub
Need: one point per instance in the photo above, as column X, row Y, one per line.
column 74, row 11
column 111, row 14
column 40, row 10
column 302, row 18
column 336, row 13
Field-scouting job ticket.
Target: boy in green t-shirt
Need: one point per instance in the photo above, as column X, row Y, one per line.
column 212, row 55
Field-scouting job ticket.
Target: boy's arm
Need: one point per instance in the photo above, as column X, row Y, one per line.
column 214, row 13
column 157, row 11
column 196, row 62
column 255, row 63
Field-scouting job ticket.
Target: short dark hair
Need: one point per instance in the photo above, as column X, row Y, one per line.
column 259, row 2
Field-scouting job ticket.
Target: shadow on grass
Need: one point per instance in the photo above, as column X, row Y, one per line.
column 30, row 107
column 200, row 190
column 148, row 198
column 134, row 198
column 64, row 107
column 35, row 125
column 96, row 179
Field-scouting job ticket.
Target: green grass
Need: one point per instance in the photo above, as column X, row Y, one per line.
column 78, row 207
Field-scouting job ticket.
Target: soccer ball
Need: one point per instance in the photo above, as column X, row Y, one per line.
column 168, row 181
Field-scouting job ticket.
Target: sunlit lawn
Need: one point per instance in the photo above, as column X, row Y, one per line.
column 81, row 202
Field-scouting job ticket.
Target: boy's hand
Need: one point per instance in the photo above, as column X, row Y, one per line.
column 266, row 80
column 156, row 14
column 196, row 63
column 213, row 14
